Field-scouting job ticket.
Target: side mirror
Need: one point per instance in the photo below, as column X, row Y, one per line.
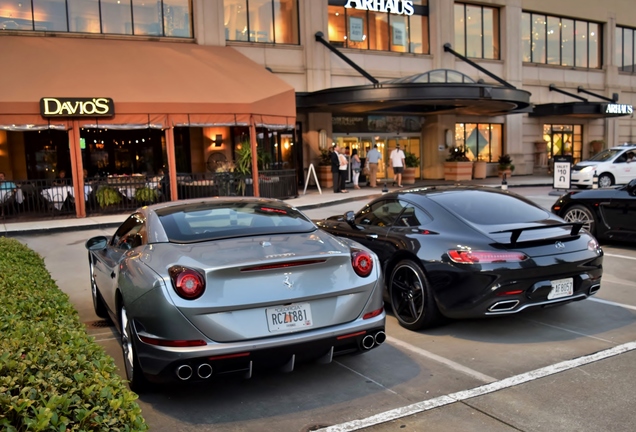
column 97, row 243
column 350, row 218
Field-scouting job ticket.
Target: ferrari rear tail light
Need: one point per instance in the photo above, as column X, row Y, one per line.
column 188, row 283
column 485, row 257
column 362, row 262
column 172, row 343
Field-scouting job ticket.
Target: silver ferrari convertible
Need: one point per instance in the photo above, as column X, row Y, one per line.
column 202, row 288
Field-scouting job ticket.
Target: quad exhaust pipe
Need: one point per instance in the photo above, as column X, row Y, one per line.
column 370, row 341
column 185, row 372
column 379, row 338
column 204, row 371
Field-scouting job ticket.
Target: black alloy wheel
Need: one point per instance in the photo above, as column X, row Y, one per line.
column 579, row 213
column 135, row 376
column 98, row 301
column 411, row 297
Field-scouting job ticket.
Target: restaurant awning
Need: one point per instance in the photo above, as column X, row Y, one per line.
column 152, row 84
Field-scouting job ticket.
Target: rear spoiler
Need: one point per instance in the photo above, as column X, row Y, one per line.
column 515, row 233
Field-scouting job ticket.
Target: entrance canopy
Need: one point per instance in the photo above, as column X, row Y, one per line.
column 151, row 84
column 436, row 92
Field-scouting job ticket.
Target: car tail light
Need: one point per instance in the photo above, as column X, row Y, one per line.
column 593, row 245
column 188, row 283
column 172, row 343
column 485, row 257
column 362, row 262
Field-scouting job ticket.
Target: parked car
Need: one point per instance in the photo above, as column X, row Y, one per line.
column 610, row 165
column 608, row 214
column 465, row 252
column 206, row 287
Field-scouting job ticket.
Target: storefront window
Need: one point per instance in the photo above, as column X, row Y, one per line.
column 171, row 18
column 563, row 140
column 560, row 41
column 379, row 31
column 625, row 49
column 477, row 31
column 267, row 21
column 482, row 141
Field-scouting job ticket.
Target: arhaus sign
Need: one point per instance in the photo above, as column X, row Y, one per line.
column 398, row 7
column 618, row 109
column 77, row 107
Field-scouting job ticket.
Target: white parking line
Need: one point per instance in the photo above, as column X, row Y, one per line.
column 620, row 256
column 451, row 364
column 612, row 303
column 569, row 331
column 478, row 391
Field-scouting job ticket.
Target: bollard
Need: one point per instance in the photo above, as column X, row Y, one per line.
column 595, row 180
column 504, row 183
column 385, row 189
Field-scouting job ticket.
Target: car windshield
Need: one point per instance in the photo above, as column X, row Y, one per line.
column 212, row 221
column 605, row 155
column 490, row 208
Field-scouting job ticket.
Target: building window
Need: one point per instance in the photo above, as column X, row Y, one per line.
column 171, row 18
column 267, row 21
column 563, row 140
column 379, row 31
column 625, row 49
column 477, row 31
column 560, row 41
column 482, row 141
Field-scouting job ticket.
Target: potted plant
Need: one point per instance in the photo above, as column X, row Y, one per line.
column 145, row 195
column 505, row 165
column 457, row 166
column 480, row 168
column 106, row 196
column 325, row 176
column 412, row 165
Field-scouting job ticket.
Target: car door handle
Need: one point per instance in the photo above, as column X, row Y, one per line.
column 112, row 275
column 372, row 236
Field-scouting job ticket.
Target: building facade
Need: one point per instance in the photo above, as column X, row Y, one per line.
column 533, row 79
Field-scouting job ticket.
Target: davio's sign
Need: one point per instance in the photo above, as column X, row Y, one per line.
column 397, row 7
column 77, row 107
column 618, row 109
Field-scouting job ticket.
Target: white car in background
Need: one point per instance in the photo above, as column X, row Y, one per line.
column 610, row 165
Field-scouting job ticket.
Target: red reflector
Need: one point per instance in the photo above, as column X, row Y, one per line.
column 375, row 313
column 557, row 208
column 282, row 265
column 347, row 336
column 172, row 343
column 506, row 293
column 485, row 257
column 229, row 356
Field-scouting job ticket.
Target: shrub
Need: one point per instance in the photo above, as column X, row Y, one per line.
column 53, row 376
column 106, row 196
column 457, row 154
column 411, row 160
column 146, row 195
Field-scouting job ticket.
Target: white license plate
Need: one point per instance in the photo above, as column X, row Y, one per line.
column 288, row 318
column 561, row 288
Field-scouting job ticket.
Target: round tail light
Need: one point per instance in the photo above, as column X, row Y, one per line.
column 188, row 283
column 362, row 262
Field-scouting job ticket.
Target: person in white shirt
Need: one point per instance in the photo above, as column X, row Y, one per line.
column 397, row 162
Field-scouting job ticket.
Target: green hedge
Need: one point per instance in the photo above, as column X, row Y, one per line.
column 53, row 376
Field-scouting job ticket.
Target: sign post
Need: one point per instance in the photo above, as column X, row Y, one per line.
column 311, row 171
column 562, row 168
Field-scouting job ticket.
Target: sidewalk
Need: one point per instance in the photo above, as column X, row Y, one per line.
column 312, row 199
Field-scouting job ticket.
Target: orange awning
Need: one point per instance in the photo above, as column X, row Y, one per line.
column 160, row 84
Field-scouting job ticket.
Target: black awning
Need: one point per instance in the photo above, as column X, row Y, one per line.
column 410, row 98
column 588, row 110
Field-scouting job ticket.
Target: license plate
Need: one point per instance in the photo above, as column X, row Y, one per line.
column 561, row 288
column 289, row 318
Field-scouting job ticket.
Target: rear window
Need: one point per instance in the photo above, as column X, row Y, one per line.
column 213, row 221
column 490, row 208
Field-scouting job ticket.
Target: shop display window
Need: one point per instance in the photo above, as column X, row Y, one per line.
column 624, row 54
column 482, row 141
column 265, row 21
column 477, row 31
column 564, row 140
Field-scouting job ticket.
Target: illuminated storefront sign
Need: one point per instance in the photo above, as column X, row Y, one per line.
column 618, row 109
column 77, row 107
column 397, row 7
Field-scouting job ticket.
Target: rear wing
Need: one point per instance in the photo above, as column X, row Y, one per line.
column 515, row 233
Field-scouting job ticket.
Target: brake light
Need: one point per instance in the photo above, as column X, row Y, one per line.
column 485, row 257
column 362, row 262
column 172, row 343
column 188, row 283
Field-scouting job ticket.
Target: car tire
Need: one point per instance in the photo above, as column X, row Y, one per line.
column 411, row 297
column 98, row 302
column 579, row 213
column 136, row 379
column 605, row 180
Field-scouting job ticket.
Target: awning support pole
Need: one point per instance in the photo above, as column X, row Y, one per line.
column 449, row 49
column 614, row 98
column 320, row 38
column 172, row 162
column 257, row 192
column 77, row 168
column 558, row 90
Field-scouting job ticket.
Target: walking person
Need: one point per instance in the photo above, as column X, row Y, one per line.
column 342, row 170
column 373, row 159
column 335, row 168
column 397, row 161
column 356, row 164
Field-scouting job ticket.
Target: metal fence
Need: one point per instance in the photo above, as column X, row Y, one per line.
column 45, row 199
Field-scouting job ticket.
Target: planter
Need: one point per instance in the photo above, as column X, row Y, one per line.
column 458, row 171
column 325, row 176
column 408, row 176
column 480, row 169
column 507, row 172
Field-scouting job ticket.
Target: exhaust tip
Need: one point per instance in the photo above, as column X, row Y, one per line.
column 380, row 337
column 184, row 372
column 594, row 289
column 504, row 306
column 204, row 371
column 368, row 342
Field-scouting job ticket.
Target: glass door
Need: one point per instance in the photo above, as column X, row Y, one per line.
column 563, row 140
